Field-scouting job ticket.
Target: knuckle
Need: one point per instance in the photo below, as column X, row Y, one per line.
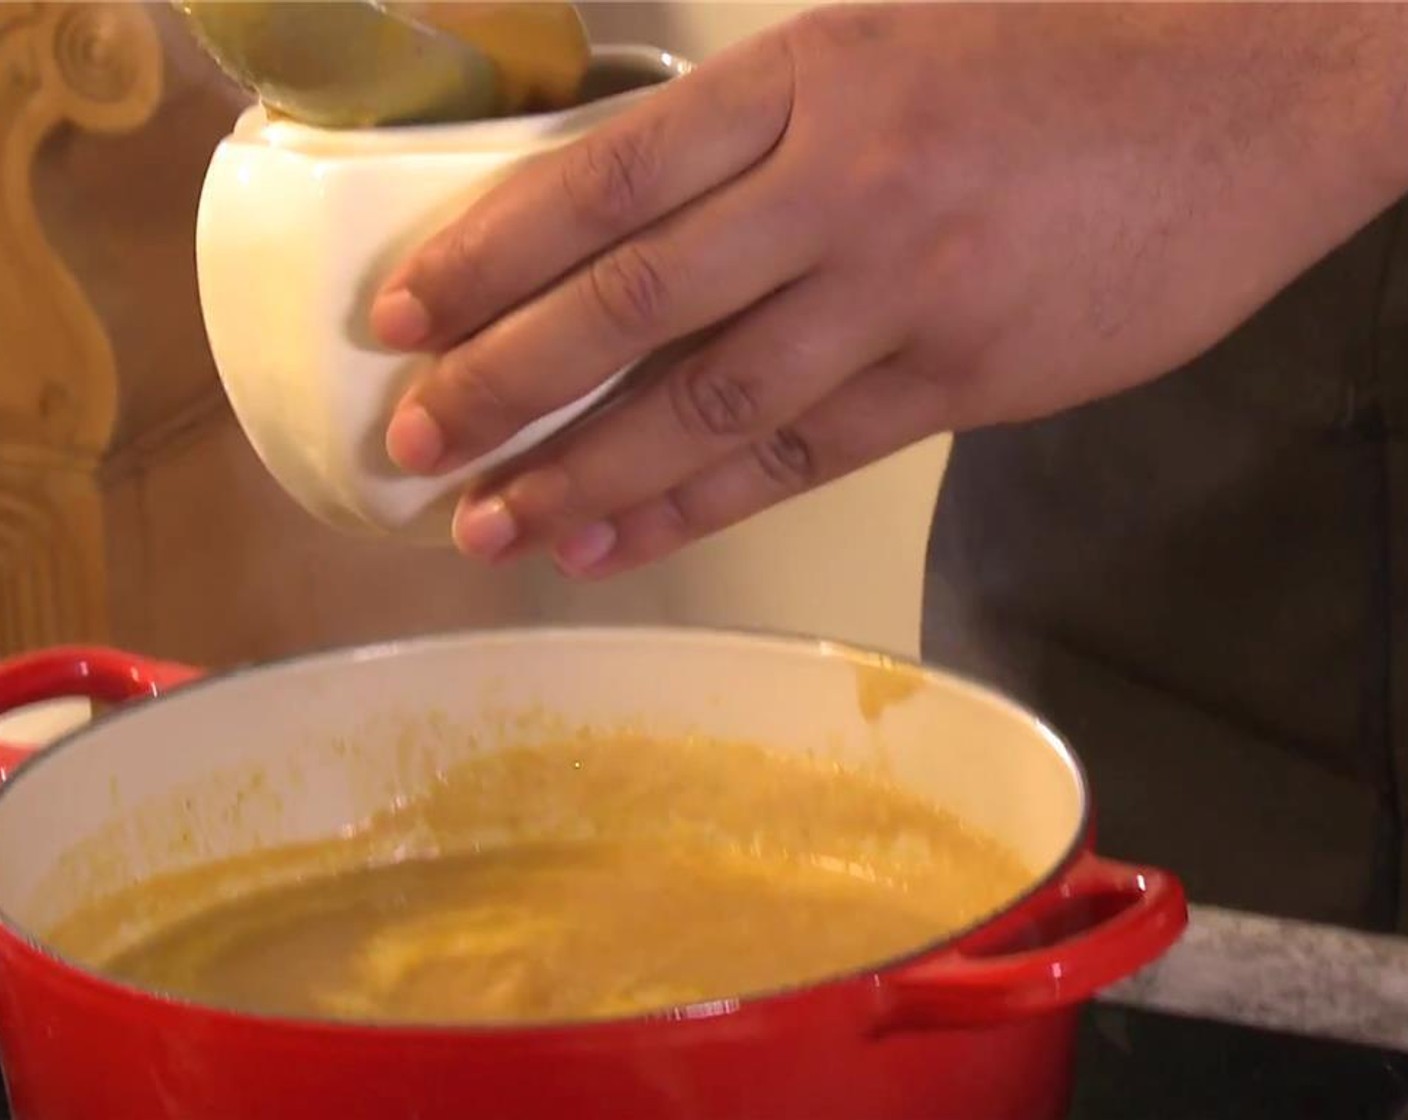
column 452, row 268
column 609, row 180
column 464, row 249
column 787, row 459
column 631, row 289
column 710, row 402
column 820, row 27
column 892, row 185
column 660, row 528
column 759, row 101
column 675, row 516
column 476, row 405
column 547, row 499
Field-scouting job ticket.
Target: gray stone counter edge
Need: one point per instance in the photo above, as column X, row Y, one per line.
column 1280, row 975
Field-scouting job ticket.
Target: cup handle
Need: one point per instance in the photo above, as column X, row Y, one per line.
column 95, row 672
column 1102, row 922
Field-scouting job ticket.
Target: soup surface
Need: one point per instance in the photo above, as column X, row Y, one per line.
column 591, row 878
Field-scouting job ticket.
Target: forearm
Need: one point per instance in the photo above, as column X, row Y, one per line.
column 1321, row 88
column 1273, row 133
column 1354, row 95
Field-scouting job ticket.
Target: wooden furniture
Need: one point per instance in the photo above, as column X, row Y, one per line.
column 131, row 508
column 99, row 68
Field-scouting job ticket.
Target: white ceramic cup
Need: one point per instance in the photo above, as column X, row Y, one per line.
column 296, row 229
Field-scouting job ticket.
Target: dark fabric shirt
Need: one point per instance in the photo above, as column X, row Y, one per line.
column 1204, row 584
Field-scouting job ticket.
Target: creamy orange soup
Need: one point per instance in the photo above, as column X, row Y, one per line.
column 595, row 877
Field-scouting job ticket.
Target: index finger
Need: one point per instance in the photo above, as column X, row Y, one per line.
column 544, row 220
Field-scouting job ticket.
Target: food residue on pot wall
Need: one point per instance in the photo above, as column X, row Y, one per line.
column 882, row 682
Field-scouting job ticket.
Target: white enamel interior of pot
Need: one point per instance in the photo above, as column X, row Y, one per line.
column 297, row 227
column 303, row 750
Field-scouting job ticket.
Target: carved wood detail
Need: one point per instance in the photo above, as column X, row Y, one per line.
column 96, row 66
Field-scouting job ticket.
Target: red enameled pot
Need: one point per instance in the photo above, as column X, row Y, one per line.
column 974, row 1027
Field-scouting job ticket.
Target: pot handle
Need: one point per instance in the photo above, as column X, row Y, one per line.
column 98, row 673
column 1103, row 922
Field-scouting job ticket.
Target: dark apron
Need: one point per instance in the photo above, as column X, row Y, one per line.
column 1204, row 584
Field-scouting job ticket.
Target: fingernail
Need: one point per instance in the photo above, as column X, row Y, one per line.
column 483, row 528
column 414, row 440
column 579, row 552
column 399, row 319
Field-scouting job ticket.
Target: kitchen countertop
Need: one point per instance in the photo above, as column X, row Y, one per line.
column 1276, row 974
column 1250, row 1017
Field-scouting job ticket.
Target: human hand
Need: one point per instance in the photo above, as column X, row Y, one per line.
column 887, row 221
